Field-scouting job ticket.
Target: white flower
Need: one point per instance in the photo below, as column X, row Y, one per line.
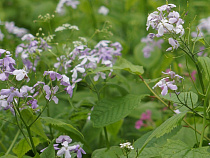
column 177, row 111
column 127, row 145
column 60, row 28
column 103, row 10
column 77, row 68
column 66, row 150
column 20, row 74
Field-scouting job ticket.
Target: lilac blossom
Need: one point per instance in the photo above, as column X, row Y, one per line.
column 53, row 75
column 11, row 28
column 150, row 45
column 65, row 150
column 54, row 145
column 50, row 93
column 60, row 6
column 79, row 151
column 204, row 26
column 10, row 93
column 174, row 43
column 63, row 138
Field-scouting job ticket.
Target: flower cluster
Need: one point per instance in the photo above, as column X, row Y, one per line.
column 30, row 50
column 103, row 10
column 127, row 145
column 168, row 82
column 66, row 149
column 11, row 28
column 104, row 53
column 166, row 21
column 60, row 6
column 144, row 117
column 150, row 45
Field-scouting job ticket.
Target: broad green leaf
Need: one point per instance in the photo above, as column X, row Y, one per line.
column 150, row 152
column 62, row 126
column 113, row 152
column 112, row 110
column 147, row 62
column 165, row 127
column 188, row 98
column 123, row 64
column 49, row 152
column 176, row 148
column 114, row 127
column 205, row 63
column 23, row 147
column 37, row 125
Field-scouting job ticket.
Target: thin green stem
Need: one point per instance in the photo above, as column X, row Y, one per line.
column 13, row 142
column 48, row 114
column 106, row 137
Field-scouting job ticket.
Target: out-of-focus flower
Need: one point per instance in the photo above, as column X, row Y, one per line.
column 103, row 10
column 60, row 6
column 145, row 117
column 193, row 75
column 127, row 145
column 63, row 138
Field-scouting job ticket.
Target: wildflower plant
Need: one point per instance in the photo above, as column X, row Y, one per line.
column 69, row 92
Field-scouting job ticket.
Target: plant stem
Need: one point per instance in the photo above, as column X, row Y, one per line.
column 106, row 137
column 13, row 142
column 48, row 115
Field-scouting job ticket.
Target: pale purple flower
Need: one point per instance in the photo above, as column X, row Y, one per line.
column 50, row 93
column 27, row 37
column 33, row 103
column 63, row 138
column 96, row 77
column 79, row 151
column 172, row 74
column 174, row 43
column 76, row 69
column 65, row 150
column 60, row 6
column 53, row 75
column 166, row 7
column 10, row 93
column 164, row 27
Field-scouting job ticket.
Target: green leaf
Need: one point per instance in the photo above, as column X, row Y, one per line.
column 112, row 110
column 147, row 62
column 8, row 156
column 165, row 127
column 62, row 126
column 49, row 152
column 176, row 148
column 113, row 152
column 205, row 63
column 189, row 98
column 23, row 147
column 150, row 152
column 123, row 64
column 37, row 125
column 114, row 127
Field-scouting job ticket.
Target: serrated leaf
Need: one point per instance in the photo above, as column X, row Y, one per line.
column 165, row 127
column 23, row 147
column 49, row 152
column 62, row 126
column 122, row 64
column 37, row 125
column 176, row 148
column 112, row 110
column 189, row 98
column 205, row 63
column 150, row 152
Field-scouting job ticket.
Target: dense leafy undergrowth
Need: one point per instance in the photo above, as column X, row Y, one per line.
column 104, row 79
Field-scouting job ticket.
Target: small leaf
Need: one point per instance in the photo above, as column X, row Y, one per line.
column 37, row 125
column 176, row 148
column 189, row 98
column 23, row 147
column 62, row 126
column 122, row 64
column 200, row 39
column 205, row 63
column 112, row 110
column 49, row 152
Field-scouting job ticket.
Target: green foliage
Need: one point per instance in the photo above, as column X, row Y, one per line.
column 188, row 98
column 112, row 110
column 49, row 152
column 63, row 127
column 205, row 63
column 8, row 156
column 37, row 125
column 123, row 64
column 147, row 62
column 176, row 148
column 113, row 152
column 23, row 147
column 165, row 128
